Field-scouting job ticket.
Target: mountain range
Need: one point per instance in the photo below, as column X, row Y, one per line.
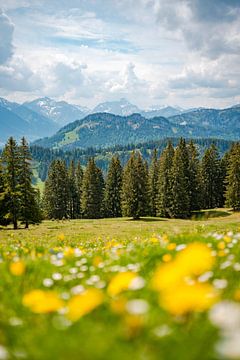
column 109, row 123
column 104, row 130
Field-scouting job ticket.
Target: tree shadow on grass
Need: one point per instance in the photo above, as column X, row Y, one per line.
column 209, row 214
column 142, row 219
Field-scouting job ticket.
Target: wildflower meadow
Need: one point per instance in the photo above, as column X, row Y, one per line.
column 121, row 289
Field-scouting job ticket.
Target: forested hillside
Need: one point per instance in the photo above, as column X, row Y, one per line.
column 43, row 157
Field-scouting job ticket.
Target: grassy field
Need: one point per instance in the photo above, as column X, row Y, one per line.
column 122, row 289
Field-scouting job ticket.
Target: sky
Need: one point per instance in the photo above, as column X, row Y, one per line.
column 153, row 52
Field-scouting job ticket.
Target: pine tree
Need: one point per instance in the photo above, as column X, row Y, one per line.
column 134, row 191
column 12, row 194
column 74, row 199
column 211, row 180
column 194, row 178
column 153, row 184
column 56, row 192
column 79, row 181
column 112, row 198
column 164, row 183
column 92, row 191
column 233, row 179
column 180, row 207
column 3, row 208
column 29, row 210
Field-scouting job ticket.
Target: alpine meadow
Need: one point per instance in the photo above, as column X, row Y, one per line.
column 120, row 180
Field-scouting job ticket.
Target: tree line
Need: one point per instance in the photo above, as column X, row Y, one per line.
column 172, row 185
column 19, row 200
column 44, row 156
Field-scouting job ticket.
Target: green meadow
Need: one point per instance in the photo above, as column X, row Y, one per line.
column 122, row 289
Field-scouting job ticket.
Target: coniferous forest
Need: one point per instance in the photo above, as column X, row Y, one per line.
column 172, row 185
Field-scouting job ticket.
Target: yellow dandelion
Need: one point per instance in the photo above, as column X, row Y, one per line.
column 120, row 282
column 68, row 252
column 42, row 302
column 171, row 246
column 17, row 268
column 154, row 239
column 237, row 295
column 221, row 253
column 227, row 239
column 182, row 299
column 167, row 257
column 195, row 259
column 84, row 303
column 97, row 260
column 221, row 245
column 61, row 237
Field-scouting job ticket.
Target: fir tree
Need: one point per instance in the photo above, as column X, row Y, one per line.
column 233, row 179
column 153, row 184
column 164, row 183
column 134, row 191
column 92, row 191
column 180, row 207
column 194, row 178
column 112, row 198
column 3, row 208
column 56, row 192
column 211, row 180
column 12, row 194
column 79, row 181
column 74, row 199
column 29, row 210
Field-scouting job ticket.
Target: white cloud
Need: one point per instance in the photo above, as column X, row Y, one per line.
column 6, row 37
column 177, row 51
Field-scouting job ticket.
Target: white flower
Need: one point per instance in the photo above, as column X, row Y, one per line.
column 137, row 283
column 137, row 307
column 3, row 353
column 57, row 276
column 226, row 315
column 206, row 276
column 220, row 283
column 229, row 347
column 47, row 282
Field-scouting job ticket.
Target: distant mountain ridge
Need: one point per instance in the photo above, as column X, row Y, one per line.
column 60, row 112
column 43, row 117
column 17, row 120
column 104, row 130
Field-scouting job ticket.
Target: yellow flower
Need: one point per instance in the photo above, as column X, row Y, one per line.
column 176, row 281
column 227, row 239
column 120, row 282
column 154, row 239
column 221, row 245
column 167, row 257
column 167, row 275
column 68, row 252
column 42, row 302
column 61, row 237
column 184, row 298
column 171, row 246
column 221, row 253
column 196, row 258
column 165, row 238
column 237, row 295
column 97, row 260
column 84, row 303
column 17, row 268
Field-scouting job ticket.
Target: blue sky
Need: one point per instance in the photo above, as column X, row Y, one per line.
column 153, row 52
